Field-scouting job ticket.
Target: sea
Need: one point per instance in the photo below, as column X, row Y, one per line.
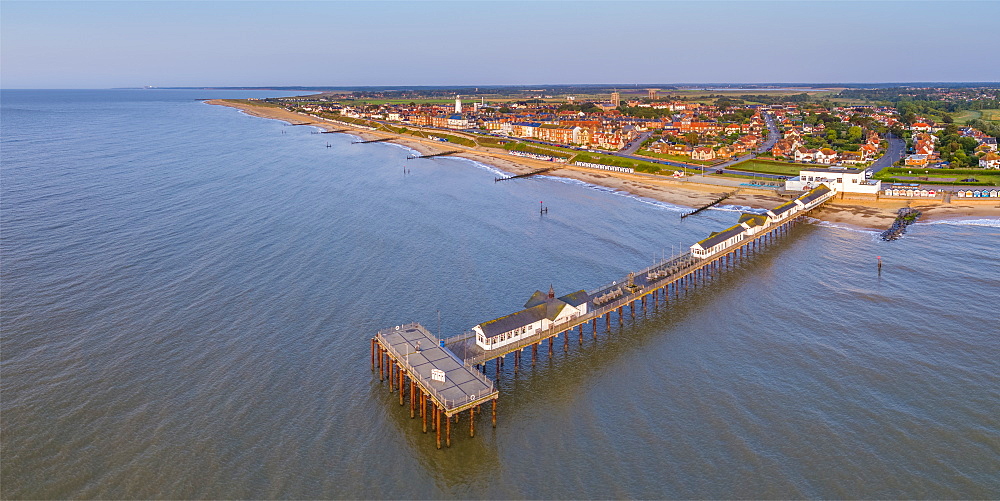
column 187, row 295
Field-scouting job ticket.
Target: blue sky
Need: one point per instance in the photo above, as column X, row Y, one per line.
column 227, row 43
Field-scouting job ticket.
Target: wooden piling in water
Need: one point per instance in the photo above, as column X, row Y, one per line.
column 447, row 432
column 423, row 410
column 437, row 425
column 413, row 395
column 472, row 422
column 494, row 413
column 402, row 379
column 534, row 353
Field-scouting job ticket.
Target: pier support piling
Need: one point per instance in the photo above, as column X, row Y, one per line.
column 423, row 410
column 494, row 413
column 472, row 422
column 413, row 397
column 447, row 431
column 437, row 425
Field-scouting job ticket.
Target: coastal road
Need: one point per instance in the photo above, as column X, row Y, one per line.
column 633, row 147
column 772, row 134
column 893, row 153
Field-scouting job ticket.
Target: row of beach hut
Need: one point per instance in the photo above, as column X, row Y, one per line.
column 983, row 193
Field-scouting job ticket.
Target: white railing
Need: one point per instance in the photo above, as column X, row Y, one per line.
column 401, row 359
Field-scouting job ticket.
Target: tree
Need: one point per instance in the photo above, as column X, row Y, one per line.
column 691, row 138
column 854, row 134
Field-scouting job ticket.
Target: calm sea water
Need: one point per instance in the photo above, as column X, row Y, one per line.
column 188, row 294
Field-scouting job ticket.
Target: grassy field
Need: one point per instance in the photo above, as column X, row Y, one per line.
column 540, row 150
column 986, row 177
column 964, row 117
column 766, row 167
column 638, row 165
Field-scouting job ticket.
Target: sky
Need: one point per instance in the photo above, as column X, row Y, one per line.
column 82, row 44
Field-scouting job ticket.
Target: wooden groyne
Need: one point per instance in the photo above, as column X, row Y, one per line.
column 384, row 139
column 713, row 203
column 335, row 131
column 528, row 174
column 432, row 155
column 905, row 217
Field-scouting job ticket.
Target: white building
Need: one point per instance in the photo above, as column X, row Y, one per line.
column 541, row 312
column 846, row 180
column 718, row 241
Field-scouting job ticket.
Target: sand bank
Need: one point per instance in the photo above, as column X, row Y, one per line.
column 867, row 214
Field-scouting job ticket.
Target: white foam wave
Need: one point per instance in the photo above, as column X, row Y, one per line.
column 405, row 147
column 842, row 226
column 739, row 208
column 988, row 222
column 488, row 168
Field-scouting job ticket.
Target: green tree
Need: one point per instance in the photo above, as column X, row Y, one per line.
column 854, row 134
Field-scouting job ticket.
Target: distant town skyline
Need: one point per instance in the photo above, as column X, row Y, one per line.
column 222, row 43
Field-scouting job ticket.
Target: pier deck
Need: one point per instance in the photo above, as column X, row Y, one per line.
column 463, row 387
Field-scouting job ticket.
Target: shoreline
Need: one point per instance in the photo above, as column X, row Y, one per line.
column 860, row 214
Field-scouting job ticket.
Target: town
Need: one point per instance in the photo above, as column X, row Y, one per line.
column 792, row 138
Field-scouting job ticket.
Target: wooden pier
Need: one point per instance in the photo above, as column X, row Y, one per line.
column 464, row 361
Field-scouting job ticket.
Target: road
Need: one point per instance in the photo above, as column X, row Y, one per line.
column 893, row 153
column 633, row 147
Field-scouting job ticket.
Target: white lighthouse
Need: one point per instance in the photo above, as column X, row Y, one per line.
column 458, row 104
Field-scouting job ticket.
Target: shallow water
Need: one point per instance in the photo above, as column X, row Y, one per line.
column 188, row 294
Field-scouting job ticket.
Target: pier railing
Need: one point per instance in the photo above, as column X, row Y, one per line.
column 402, row 359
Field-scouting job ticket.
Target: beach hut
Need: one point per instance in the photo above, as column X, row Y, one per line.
column 909, row 192
column 923, row 193
column 960, row 194
column 968, row 193
column 995, row 193
column 931, row 193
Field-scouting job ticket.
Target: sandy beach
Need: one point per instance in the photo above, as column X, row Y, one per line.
column 867, row 214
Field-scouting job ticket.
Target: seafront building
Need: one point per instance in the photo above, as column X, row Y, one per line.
column 540, row 312
column 847, row 180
